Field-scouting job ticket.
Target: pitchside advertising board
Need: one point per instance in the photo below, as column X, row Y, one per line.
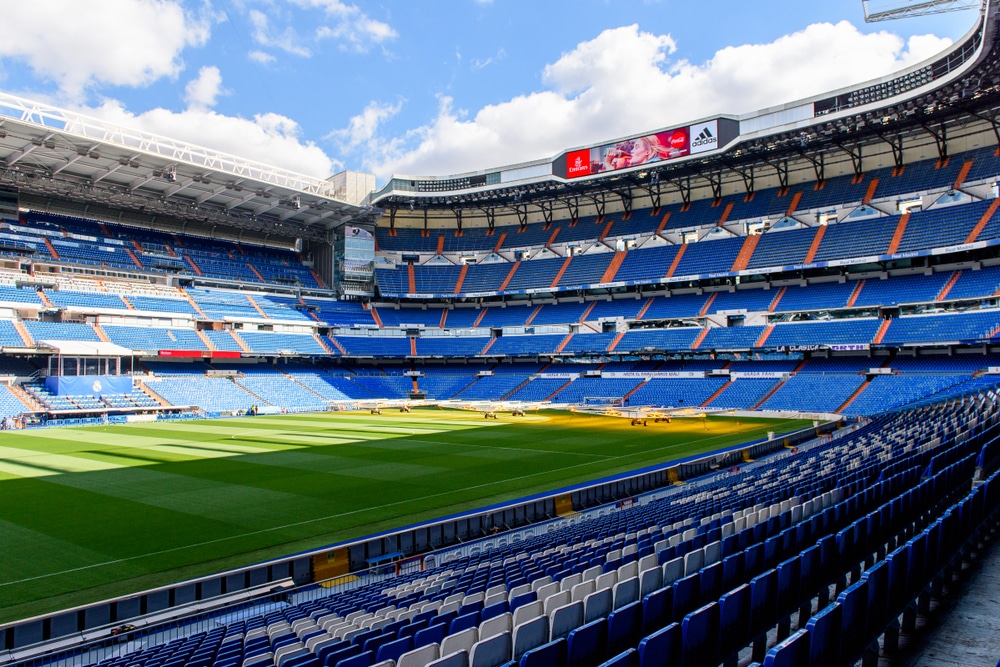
column 667, row 145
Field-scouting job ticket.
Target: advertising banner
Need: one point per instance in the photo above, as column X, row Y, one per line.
column 648, row 149
column 704, row 137
column 92, row 385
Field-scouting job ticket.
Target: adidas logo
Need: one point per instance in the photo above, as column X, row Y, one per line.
column 704, row 138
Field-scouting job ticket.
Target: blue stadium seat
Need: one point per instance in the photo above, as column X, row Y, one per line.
column 662, row 648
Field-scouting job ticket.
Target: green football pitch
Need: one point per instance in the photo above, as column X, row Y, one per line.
column 90, row 513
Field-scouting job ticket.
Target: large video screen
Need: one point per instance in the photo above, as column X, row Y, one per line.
column 648, row 149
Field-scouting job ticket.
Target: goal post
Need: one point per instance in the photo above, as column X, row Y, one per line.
column 614, row 401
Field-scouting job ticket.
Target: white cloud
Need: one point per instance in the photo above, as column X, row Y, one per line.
column 362, row 128
column 483, row 63
column 624, row 81
column 269, row 138
column 78, row 44
column 204, row 91
column 352, row 28
column 260, row 57
column 287, row 39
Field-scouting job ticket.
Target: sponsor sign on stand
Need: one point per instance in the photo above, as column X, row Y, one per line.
column 704, row 137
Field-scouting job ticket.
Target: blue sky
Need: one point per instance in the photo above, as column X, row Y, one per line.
column 442, row 87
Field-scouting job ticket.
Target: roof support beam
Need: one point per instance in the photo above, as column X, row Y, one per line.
column 940, row 135
column 291, row 212
column 242, row 200
column 27, row 149
column 202, row 198
column 546, row 208
column 896, row 144
column 855, row 153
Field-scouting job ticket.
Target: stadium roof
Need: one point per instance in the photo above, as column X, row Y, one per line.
column 954, row 93
column 49, row 152
column 79, row 348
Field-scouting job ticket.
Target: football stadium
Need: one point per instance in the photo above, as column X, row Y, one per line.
column 719, row 393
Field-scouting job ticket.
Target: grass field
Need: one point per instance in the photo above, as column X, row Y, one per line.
column 89, row 513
